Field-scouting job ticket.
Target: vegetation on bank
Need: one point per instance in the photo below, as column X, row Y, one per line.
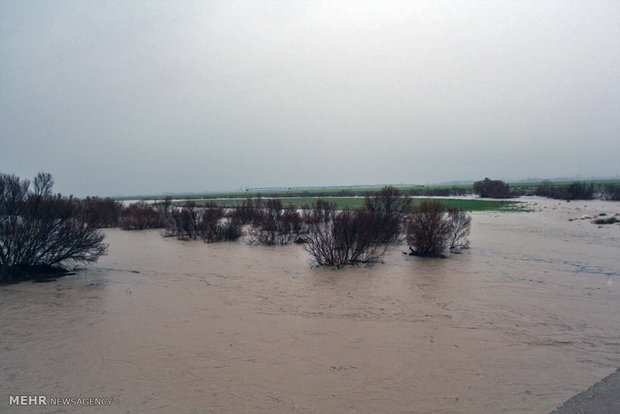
column 40, row 232
column 602, row 188
column 352, row 203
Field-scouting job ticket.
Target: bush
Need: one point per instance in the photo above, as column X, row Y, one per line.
column 275, row 225
column 141, row 216
column 431, row 229
column 574, row 191
column 248, row 212
column 101, row 213
column 39, row 230
column 611, row 192
column 579, row 191
column 390, row 207
column 461, row 225
column 492, row 188
column 337, row 238
column 207, row 223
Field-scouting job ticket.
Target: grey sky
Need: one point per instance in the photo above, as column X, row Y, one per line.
column 129, row 97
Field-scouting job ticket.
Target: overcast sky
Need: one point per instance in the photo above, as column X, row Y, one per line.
column 132, row 97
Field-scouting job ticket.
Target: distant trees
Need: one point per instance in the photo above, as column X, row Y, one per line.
column 492, row 188
column 574, row 191
column 39, row 230
column 611, row 192
column 431, row 229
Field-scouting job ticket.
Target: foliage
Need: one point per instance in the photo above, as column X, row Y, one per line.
column 492, row 188
column 431, row 229
column 208, row 224
column 337, row 238
column 141, row 216
column 39, row 230
column 390, row 207
column 353, row 203
column 276, row 225
column 574, row 191
column 100, row 213
column 611, row 192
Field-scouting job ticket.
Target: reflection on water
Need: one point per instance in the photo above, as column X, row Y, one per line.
column 518, row 323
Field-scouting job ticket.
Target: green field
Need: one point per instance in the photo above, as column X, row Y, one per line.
column 344, row 191
column 357, row 202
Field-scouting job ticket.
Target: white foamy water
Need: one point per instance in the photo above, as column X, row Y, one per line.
column 523, row 320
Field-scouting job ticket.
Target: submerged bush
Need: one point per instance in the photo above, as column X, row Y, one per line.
column 337, row 238
column 39, row 230
column 275, row 225
column 431, row 229
column 611, row 192
column 207, row 223
column 390, row 207
column 141, row 216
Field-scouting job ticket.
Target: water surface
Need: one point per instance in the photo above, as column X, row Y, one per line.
column 519, row 323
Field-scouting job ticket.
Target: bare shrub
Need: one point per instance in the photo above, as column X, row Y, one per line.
column 141, row 216
column 431, row 230
column 390, row 207
column 611, row 192
column 246, row 213
column 229, row 230
column 100, row 213
column 492, row 188
column 337, row 238
column 579, row 191
column 275, row 225
column 207, row 223
column 461, row 224
column 39, row 230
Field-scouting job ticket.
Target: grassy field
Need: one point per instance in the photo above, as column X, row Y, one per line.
column 357, row 202
column 354, row 191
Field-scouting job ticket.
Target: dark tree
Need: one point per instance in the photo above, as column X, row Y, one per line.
column 492, row 188
column 39, row 230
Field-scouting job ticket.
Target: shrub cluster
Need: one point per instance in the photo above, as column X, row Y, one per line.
column 492, row 188
column 432, row 229
column 337, row 238
column 141, row 216
column 275, row 225
column 574, row 191
column 611, row 192
column 39, row 230
column 389, row 207
column 208, row 223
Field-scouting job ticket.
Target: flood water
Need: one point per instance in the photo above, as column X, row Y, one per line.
column 526, row 318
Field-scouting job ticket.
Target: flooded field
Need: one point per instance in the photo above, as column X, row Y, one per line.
column 526, row 318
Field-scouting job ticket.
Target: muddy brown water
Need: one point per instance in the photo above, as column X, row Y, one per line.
column 527, row 317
